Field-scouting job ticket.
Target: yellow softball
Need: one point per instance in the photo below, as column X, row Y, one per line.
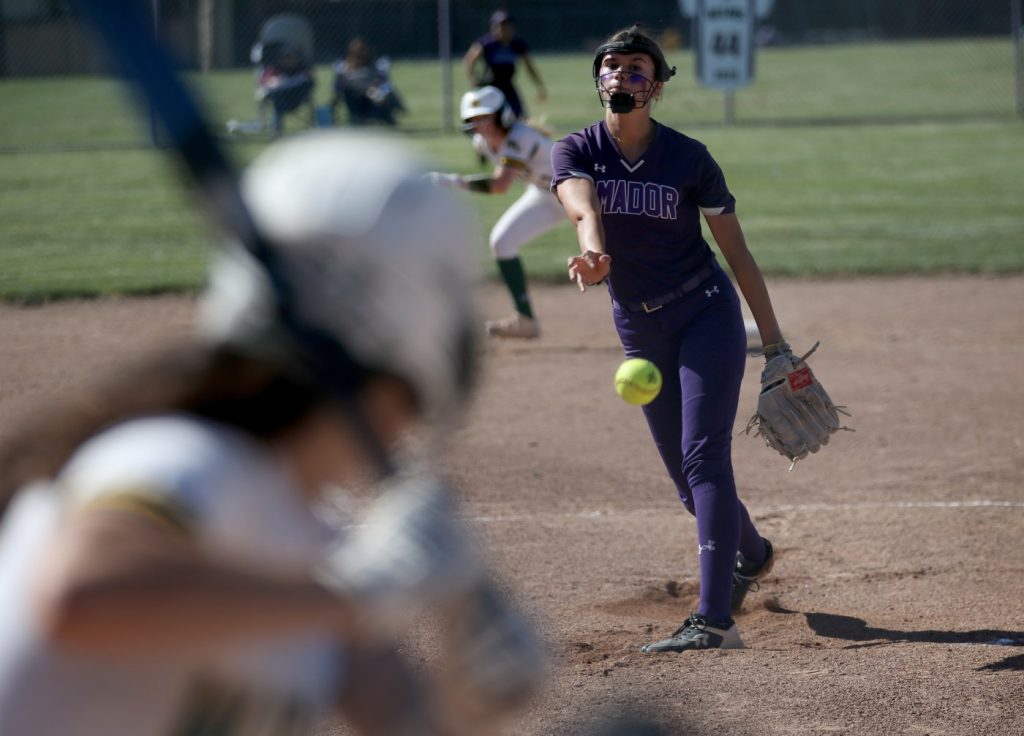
column 637, row 381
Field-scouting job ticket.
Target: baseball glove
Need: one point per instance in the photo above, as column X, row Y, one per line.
column 495, row 661
column 794, row 413
column 410, row 551
column 412, row 554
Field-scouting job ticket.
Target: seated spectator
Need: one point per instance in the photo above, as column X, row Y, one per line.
column 363, row 83
column 285, row 84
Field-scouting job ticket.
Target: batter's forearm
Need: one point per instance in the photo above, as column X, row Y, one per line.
column 116, row 585
column 166, row 608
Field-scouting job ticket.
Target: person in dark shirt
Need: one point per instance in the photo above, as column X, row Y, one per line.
column 636, row 191
column 498, row 51
column 362, row 81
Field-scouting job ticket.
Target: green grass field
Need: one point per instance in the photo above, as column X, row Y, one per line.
column 854, row 159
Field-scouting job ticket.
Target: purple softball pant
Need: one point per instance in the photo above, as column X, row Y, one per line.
column 698, row 342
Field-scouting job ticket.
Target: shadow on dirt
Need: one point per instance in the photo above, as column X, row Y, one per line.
column 854, row 629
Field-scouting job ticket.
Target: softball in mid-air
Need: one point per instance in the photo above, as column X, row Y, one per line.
column 638, row 381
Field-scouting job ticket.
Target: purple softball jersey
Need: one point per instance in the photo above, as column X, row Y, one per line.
column 651, row 208
column 501, row 66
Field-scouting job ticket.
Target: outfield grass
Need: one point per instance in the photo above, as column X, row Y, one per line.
column 931, row 182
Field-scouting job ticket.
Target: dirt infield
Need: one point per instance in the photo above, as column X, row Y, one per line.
column 897, row 602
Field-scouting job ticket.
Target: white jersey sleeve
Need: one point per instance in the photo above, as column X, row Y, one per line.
column 529, row 151
column 216, row 486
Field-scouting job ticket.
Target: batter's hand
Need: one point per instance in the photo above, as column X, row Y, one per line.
column 438, row 179
column 411, row 550
column 589, row 269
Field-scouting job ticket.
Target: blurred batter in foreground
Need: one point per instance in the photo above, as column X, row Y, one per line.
column 165, row 565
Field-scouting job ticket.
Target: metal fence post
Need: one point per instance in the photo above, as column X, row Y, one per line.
column 1017, row 26
column 444, row 47
column 154, row 123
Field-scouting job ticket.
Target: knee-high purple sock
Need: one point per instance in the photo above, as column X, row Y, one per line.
column 751, row 544
column 718, row 533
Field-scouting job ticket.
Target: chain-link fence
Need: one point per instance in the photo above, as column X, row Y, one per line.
column 816, row 60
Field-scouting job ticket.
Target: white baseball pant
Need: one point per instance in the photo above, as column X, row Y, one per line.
column 530, row 216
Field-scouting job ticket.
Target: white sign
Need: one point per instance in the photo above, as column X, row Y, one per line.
column 724, row 40
column 762, row 7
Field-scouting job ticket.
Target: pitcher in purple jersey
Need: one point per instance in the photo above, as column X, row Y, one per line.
column 636, row 190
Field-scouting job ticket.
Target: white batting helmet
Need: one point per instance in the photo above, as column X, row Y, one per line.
column 373, row 256
column 484, row 101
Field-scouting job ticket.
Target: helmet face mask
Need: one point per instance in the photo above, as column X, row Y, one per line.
column 620, row 101
column 472, row 125
column 632, row 42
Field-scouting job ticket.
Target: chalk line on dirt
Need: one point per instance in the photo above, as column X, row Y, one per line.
column 761, row 511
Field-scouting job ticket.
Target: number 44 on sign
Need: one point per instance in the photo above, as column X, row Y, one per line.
column 724, row 39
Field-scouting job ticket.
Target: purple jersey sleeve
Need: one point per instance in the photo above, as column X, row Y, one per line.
column 569, row 159
column 650, row 208
column 712, row 195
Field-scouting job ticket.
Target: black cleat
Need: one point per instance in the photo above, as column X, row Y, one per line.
column 698, row 633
